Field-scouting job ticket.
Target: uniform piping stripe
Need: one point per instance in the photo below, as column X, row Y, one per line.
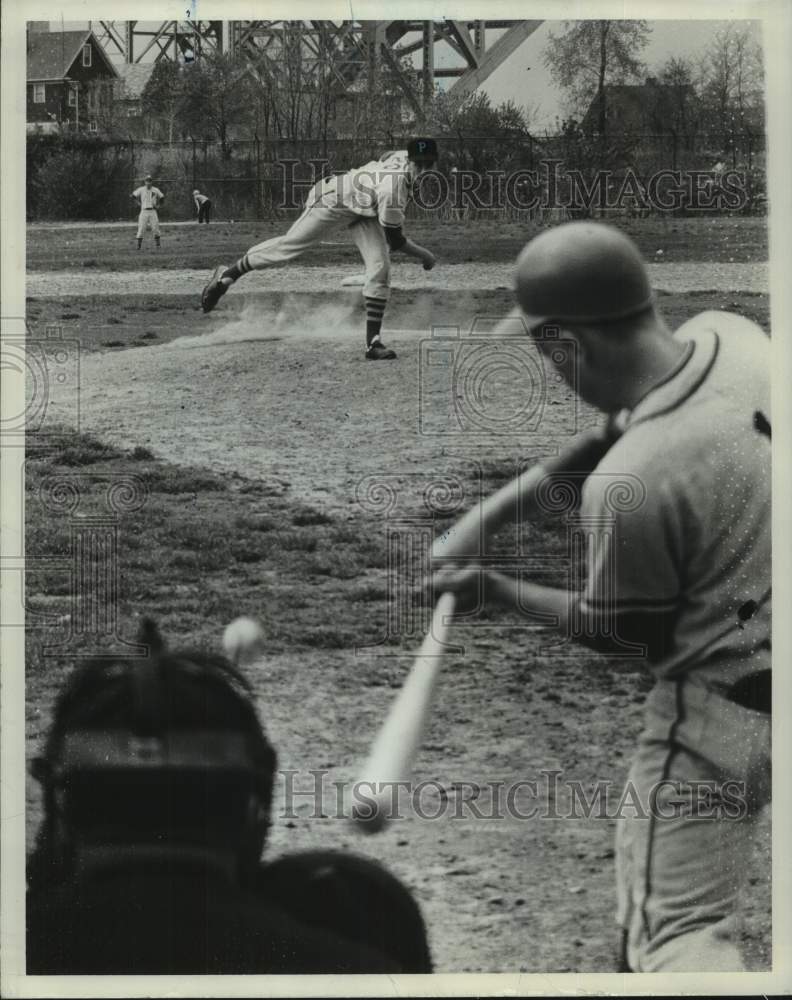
column 672, row 751
column 639, row 604
column 693, row 388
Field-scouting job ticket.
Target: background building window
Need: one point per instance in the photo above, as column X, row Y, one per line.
column 72, row 97
column 86, row 55
column 93, row 127
column 39, row 93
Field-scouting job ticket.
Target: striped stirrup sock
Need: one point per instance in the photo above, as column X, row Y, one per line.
column 241, row 267
column 375, row 310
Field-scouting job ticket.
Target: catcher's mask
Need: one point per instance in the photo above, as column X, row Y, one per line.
column 159, row 753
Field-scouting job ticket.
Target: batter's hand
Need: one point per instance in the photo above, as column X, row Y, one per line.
column 468, row 584
column 429, row 261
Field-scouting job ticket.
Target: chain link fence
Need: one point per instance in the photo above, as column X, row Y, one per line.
column 73, row 178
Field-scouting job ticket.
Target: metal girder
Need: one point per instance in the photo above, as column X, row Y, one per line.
column 347, row 52
column 458, row 32
column 110, row 36
column 133, row 41
column 493, row 57
column 404, row 84
column 427, row 67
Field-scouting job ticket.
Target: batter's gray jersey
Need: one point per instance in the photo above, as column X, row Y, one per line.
column 693, row 544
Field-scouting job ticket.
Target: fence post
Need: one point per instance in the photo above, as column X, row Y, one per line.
column 132, row 160
column 193, row 163
column 258, row 177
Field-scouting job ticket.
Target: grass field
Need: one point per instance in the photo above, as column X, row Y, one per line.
column 249, row 456
column 101, row 248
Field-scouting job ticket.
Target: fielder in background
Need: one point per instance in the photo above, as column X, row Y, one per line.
column 148, row 199
column 158, row 782
column 370, row 202
column 682, row 576
column 203, row 206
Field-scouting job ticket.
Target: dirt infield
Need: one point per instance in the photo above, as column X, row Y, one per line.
column 272, row 394
column 679, row 277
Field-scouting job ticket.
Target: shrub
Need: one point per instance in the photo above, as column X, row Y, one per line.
column 57, row 172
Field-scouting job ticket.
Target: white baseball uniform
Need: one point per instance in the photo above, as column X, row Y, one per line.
column 692, row 554
column 363, row 200
column 150, row 198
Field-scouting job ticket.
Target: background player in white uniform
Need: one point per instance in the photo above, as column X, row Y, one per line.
column 203, row 206
column 148, row 199
column 684, row 571
column 370, row 202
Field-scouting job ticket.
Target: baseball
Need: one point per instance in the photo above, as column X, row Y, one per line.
column 243, row 639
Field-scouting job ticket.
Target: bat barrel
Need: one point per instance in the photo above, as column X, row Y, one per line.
column 398, row 741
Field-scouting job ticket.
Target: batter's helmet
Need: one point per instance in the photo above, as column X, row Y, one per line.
column 581, row 272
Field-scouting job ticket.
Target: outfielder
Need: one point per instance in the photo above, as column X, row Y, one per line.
column 370, row 202
column 148, row 199
column 684, row 575
column 203, row 207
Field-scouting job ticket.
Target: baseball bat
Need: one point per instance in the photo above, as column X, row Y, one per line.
column 519, row 500
column 399, row 739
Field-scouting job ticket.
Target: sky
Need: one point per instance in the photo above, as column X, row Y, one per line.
column 524, row 79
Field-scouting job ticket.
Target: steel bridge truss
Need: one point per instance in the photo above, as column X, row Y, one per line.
column 343, row 54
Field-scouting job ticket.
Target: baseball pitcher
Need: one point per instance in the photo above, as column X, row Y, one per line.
column 370, row 202
column 148, row 199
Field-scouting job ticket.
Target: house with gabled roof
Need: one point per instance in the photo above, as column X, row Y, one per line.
column 129, row 88
column 645, row 108
column 69, row 80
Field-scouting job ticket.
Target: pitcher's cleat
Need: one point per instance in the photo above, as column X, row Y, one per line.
column 379, row 352
column 214, row 290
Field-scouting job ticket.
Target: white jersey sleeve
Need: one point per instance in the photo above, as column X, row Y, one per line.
column 392, row 189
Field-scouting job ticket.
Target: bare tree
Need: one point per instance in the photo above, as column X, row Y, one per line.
column 674, row 107
column 487, row 136
column 589, row 55
column 216, row 98
column 162, row 95
column 732, row 84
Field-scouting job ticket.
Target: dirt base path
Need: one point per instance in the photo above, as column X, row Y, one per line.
column 672, row 277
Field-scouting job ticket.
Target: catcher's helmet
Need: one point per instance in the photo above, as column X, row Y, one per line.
column 162, row 751
column 581, row 272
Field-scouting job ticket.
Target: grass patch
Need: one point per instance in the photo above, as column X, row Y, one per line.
column 196, row 550
column 83, row 449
